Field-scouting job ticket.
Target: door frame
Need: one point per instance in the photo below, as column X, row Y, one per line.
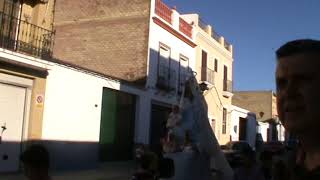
column 14, row 80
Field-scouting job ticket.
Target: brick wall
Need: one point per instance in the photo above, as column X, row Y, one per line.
column 256, row 102
column 106, row 36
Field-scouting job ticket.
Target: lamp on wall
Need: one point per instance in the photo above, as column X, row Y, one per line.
column 203, row 86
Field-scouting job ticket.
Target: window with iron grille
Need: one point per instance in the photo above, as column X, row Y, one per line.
column 183, row 71
column 9, row 14
column 163, row 66
column 18, row 33
column 224, row 121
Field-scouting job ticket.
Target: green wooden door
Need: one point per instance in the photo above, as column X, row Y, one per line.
column 117, row 126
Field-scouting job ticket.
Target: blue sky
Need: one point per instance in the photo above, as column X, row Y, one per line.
column 256, row 28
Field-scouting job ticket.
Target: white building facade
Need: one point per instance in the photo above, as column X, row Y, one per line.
column 243, row 125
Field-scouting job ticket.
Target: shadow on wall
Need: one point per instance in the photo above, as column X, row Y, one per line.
column 64, row 155
column 166, row 80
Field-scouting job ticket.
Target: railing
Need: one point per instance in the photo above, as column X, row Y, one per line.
column 226, row 45
column 185, row 27
column 227, row 86
column 215, row 35
column 167, row 78
column 202, row 25
column 163, row 11
column 207, row 75
column 22, row 36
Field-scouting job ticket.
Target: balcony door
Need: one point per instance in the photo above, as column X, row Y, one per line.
column 9, row 15
column 204, row 59
column 225, row 78
column 243, row 129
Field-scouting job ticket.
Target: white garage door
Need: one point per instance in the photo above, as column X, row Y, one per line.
column 12, row 110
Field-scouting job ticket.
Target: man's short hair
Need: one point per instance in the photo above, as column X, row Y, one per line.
column 36, row 156
column 298, row 46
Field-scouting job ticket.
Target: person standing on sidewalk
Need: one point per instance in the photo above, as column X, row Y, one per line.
column 35, row 161
column 298, row 100
column 250, row 169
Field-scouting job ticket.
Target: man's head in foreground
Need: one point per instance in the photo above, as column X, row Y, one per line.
column 298, row 86
column 35, row 160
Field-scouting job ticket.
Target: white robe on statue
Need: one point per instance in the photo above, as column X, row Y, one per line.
column 197, row 165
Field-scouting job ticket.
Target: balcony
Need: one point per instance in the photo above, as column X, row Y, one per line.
column 207, row 75
column 163, row 11
column 166, row 79
column 185, row 28
column 21, row 36
column 227, row 88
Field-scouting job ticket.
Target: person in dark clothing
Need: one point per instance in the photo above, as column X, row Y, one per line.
column 298, row 98
column 250, row 169
column 144, row 171
column 266, row 164
column 35, row 160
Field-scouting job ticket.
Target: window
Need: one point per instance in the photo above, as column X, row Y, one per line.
column 204, row 66
column 163, row 66
column 216, row 65
column 224, row 121
column 225, row 78
column 183, row 70
column 9, row 21
column 164, row 55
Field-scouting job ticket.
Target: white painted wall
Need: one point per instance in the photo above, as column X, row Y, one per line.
column 281, row 132
column 157, row 35
column 71, row 96
column 237, row 113
column 263, row 127
column 14, row 57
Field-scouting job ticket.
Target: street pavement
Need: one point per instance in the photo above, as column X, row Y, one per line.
column 106, row 171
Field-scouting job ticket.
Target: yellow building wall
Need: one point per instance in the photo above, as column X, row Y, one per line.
column 40, row 14
column 214, row 96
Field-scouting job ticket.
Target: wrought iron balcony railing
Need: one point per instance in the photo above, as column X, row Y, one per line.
column 226, row 45
column 207, row 75
column 185, row 27
column 22, row 36
column 163, row 11
column 227, row 86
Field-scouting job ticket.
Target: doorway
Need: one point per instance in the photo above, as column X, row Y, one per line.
column 159, row 116
column 117, row 126
column 13, row 102
column 242, row 129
